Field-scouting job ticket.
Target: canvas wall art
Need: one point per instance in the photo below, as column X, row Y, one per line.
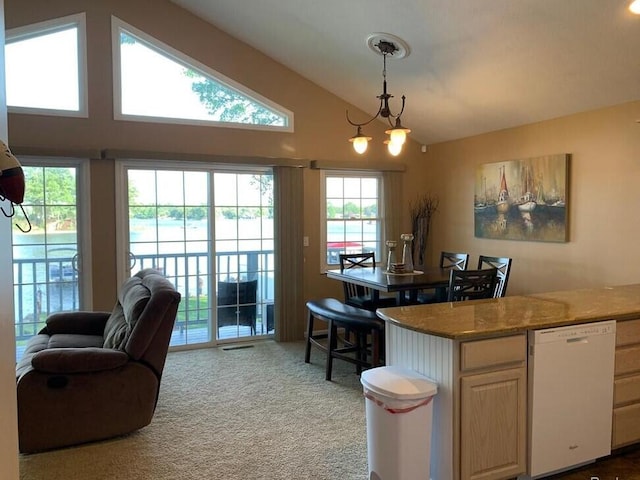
column 523, row 199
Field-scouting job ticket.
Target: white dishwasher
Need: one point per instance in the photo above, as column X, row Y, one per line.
column 570, row 395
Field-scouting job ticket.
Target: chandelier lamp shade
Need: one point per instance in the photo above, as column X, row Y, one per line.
column 384, row 44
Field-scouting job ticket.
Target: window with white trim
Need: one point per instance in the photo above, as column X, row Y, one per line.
column 45, row 66
column 352, row 216
column 154, row 82
column 51, row 271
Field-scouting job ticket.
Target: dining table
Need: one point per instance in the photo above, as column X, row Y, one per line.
column 404, row 285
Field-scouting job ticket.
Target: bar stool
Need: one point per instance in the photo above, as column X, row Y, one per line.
column 366, row 327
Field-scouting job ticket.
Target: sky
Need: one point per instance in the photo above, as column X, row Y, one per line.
column 42, row 72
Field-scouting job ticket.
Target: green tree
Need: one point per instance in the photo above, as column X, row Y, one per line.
column 370, row 211
column 142, row 213
column 229, row 105
column 60, row 187
column 333, row 211
column 196, row 213
column 265, row 184
column 351, row 210
column 230, row 213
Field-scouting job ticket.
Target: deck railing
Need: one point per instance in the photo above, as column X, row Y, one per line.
column 47, row 285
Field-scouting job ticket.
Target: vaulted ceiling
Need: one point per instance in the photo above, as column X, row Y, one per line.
column 474, row 66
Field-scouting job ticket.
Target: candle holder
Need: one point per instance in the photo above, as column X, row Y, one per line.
column 391, row 253
column 407, row 251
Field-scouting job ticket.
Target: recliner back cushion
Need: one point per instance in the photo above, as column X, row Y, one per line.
column 132, row 300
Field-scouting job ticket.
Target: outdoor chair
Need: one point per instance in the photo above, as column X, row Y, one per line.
column 237, row 304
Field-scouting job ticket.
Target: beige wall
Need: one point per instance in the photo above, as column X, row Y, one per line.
column 604, row 224
column 321, row 131
column 604, row 145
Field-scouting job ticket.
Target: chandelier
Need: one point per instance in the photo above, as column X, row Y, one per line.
column 384, row 44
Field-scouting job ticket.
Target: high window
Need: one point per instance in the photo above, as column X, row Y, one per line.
column 352, row 217
column 153, row 82
column 45, row 66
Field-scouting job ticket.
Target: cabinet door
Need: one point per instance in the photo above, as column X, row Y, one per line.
column 493, row 425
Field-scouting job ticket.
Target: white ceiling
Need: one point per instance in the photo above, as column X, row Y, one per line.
column 474, row 65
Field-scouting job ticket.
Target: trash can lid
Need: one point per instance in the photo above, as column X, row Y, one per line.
column 398, row 382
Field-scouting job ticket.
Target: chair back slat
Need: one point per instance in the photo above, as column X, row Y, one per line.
column 455, row 260
column 357, row 260
column 503, row 265
column 472, row 284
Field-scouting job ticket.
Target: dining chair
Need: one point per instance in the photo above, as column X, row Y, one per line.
column 455, row 260
column 472, row 284
column 503, row 264
column 357, row 295
column 237, row 304
column 448, row 260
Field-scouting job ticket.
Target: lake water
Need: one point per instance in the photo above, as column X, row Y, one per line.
column 165, row 239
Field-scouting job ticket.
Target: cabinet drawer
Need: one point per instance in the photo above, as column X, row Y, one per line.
column 626, row 390
column 492, row 352
column 626, row 425
column 627, row 359
column 628, row 332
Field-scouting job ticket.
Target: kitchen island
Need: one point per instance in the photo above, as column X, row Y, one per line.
column 477, row 354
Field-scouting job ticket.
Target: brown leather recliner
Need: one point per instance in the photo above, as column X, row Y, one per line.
column 90, row 376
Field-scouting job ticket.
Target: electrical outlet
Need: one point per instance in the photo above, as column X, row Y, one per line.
column 305, row 241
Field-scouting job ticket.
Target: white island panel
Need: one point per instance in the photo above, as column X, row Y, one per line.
column 433, row 357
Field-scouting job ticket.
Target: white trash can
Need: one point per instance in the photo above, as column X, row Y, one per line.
column 399, row 411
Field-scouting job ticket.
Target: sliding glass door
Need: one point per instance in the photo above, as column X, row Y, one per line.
column 48, row 273
column 210, row 231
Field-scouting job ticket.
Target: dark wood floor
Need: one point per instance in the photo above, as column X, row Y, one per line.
column 623, row 465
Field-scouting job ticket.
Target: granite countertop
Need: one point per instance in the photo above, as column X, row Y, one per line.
column 508, row 315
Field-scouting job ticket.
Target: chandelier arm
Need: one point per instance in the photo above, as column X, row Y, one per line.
column 391, row 115
column 402, row 109
column 368, row 121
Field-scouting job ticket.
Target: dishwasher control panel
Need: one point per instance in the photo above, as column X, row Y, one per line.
column 573, row 332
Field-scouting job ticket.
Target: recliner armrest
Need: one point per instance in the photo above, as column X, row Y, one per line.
column 78, row 360
column 81, row 323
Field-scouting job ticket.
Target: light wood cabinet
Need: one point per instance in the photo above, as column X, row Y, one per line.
column 493, row 399
column 479, row 414
column 476, row 352
column 626, row 386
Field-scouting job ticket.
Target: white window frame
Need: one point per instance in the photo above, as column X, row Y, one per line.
column 122, row 167
column 118, row 26
column 83, row 205
column 35, row 30
column 324, row 265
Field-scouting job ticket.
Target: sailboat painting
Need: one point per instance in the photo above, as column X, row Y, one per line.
column 523, row 199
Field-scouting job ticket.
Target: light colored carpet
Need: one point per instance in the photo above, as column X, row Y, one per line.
column 254, row 413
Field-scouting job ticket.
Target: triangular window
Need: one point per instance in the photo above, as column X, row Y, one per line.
column 45, row 66
column 153, row 82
